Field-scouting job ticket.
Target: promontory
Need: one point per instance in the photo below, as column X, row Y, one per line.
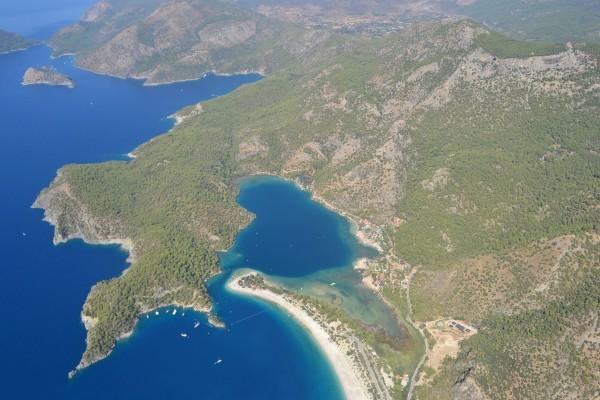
column 10, row 42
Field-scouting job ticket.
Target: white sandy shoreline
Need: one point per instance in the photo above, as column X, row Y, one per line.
column 349, row 378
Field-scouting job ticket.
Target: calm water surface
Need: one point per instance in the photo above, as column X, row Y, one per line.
column 264, row 354
column 307, row 248
column 43, row 287
column 39, row 18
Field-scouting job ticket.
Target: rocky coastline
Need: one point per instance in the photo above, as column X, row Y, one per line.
column 46, row 76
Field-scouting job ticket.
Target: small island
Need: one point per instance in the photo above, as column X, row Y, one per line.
column 46, row 76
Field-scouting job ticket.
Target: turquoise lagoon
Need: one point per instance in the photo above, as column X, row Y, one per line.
column 299, row 243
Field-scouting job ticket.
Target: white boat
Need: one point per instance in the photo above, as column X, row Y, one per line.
column 156, row 312
column 197, row 324
column 332, row 284
column 174, row 312
column 184, row 335
column 219, row 361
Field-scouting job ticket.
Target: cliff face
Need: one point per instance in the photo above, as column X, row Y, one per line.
column 172, row 40
column 46, row 76
column 71, row 219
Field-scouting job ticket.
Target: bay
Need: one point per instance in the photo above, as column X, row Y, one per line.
column 43, row 287
column 261, row 354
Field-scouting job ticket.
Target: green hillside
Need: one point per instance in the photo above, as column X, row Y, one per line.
column 162, row 41
column 11, row 41
column 550, row 20
column 473, row 157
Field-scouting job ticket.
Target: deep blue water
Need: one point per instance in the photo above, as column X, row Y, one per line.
column 39, row 18
column 292, row 235
column 43, row 287
column 264, row 353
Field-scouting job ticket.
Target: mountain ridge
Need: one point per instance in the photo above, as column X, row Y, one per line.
column 479, row 149
column 166, row 41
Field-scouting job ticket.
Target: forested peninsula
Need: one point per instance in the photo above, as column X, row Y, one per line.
column 470, row 157
column 10, row 42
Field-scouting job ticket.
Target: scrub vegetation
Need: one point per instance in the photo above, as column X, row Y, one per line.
column 12, row 42
column 469, row 156
column 164, row 41
column 550, row 20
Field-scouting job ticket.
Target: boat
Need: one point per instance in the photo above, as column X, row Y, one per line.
column 332, row 284
column 174, row 312
column 184, row 335
column 197, row 324
column 156, row 312
column 219, row 361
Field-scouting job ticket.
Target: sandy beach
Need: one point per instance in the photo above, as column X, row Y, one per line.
column 349, row 377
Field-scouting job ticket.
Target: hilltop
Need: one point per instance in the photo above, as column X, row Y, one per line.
column 162, row 41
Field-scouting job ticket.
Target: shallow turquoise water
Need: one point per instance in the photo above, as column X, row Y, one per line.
column 264, row 354
column 43, row 287
column 307, row 248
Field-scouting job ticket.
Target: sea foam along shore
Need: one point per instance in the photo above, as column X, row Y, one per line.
column 353, row 386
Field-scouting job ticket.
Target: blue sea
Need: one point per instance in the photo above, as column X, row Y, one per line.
column 40, row 18
column 264, row 354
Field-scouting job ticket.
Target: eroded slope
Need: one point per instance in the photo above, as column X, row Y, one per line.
column 170, row 40
column 454, row 155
